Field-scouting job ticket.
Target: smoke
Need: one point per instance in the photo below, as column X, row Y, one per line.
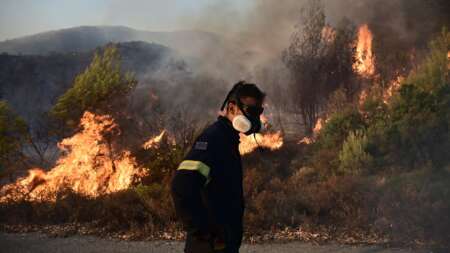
column 244, row 40
column 257, row 33
column 251, row 37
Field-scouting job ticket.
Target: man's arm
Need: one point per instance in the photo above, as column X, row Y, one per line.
column 190, row 179
column 187, row 188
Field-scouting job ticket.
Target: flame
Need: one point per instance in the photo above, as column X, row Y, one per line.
column 90, row 167
column 448, row 60
column 394, row 85
column 363, row 96
column 328, row 34
column 318, row 126
column 365, row 64
column 272, row 141
column 306, row 140
column 154, row 141
column 265, row 121
column 316, row 130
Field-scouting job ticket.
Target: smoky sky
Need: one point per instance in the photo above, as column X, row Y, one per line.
column 267, row 25
column 26, row 17
column 253, row 32
column 261, row 25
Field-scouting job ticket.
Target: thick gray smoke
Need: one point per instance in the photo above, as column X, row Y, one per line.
column 259, row 33
column 253, row 38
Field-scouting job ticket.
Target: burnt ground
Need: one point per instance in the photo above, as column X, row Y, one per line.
column 38, row 242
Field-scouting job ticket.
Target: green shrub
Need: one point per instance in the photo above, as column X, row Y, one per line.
column 433, row 72
column 354, row 158
column 413, row 129
column 325, row 152
column 13, row 134
column 338, row 126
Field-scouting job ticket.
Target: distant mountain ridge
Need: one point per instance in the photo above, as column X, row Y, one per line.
column 85, row 38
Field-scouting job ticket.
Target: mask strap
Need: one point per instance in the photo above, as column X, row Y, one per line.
column 239, row 104
column 225, row 101
column 232, row 91
column 257, row 143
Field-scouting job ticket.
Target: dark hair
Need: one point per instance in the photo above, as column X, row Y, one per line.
column 243, row 89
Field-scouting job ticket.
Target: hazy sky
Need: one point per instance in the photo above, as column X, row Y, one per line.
column 24, row 17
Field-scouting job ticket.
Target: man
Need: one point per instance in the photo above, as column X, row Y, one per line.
column 207, row 187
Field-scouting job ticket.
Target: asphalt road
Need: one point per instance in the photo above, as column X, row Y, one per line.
column 36, row 243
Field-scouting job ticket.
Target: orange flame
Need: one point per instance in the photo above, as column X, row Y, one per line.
column 318, row 126
column 154, row 141
column 394, row 85
column 363, row 96
column 448, row 60
column 365, row 64
column 316, row 131
column 272, row 141
column 328, row 34
column 265, row 121
column 90, row 167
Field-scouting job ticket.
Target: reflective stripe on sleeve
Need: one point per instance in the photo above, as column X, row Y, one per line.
column 195, row 165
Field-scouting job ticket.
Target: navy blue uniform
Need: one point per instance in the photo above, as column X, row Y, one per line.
column 207, row 190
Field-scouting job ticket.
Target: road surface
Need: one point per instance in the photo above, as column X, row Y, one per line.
column 36, row 243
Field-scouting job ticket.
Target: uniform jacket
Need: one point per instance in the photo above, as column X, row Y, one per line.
column 207, row 187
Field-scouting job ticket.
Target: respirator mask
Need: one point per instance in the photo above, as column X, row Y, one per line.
column 249, row 122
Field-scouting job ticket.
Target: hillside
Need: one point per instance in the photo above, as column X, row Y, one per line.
column 32, row 83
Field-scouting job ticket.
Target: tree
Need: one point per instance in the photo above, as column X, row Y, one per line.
column 302, row 58
column 13, row 135
column 101, row 88
column 419, row 120
column 320, row 60
column 353, row 157
column 339, row 60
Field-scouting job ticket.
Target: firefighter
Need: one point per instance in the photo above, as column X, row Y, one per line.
column 207, row 186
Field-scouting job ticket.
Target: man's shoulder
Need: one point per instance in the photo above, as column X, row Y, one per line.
column 213, row 133
column 208, row 140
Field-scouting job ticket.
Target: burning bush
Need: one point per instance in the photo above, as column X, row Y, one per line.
column 321, row 59
column 413, row 125
column 400, row 145
column 94, row 181
column 92, row 166
column 271, row 141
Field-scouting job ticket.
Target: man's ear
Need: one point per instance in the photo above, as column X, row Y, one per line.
column 231, row 108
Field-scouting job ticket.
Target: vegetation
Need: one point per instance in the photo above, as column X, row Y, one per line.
column 354, row 157
column 13, row 135
column 100, row 88
column 320, row 60
column 381, row 167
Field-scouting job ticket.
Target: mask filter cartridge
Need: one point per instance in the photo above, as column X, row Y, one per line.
column 242, row 124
